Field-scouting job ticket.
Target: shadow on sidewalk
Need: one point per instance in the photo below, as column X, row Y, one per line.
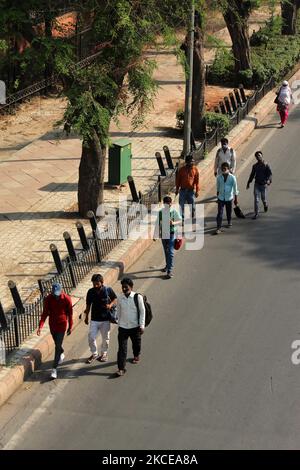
column 272, row 125
column 38, row 215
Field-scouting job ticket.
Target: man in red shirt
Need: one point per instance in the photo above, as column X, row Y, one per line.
column 58, row 306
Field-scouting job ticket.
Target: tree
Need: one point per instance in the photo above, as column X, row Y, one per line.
column 236, row 15
column 198, row 89
column 289, row 13
column 118, row 80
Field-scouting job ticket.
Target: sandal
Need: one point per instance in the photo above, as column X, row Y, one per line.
column 136, row 360
column 91, row 359
column 103, row 358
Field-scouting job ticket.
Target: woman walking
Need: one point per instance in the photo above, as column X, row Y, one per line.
column 283, row 101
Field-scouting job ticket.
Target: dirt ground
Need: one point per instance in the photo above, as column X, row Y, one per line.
column 37, row 117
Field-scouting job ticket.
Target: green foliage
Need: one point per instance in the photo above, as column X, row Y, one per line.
column 222, row 69
column 219, row 120
column 245, row 77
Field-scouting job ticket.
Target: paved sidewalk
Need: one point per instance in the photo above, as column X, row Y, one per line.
column 38, row 184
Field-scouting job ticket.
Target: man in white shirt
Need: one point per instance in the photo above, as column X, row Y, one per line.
column 131, row 321
column 225, row 154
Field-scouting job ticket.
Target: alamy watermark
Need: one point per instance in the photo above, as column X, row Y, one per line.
column 2, row 353
column 135, row 221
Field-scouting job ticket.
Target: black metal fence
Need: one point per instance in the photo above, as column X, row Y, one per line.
column 21, row 321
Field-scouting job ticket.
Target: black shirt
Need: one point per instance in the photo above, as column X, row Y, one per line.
column 98, row 299
column 262, row 173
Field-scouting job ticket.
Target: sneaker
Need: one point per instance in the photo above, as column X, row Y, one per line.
column 103, row 358
column 53, row 374
column 282, row 125
column 120, row 372
column 136, row 360
column 61, row 359
column 218, row 231
column 169, row 275
column 266, row 207
column 229, row 225
column 91, row 359
column 255, row 217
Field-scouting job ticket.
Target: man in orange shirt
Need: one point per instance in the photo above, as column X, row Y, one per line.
column 187, row 184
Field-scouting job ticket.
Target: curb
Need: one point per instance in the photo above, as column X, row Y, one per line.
column 26, row 362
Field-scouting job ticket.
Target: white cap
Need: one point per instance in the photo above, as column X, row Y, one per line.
column 285, row 83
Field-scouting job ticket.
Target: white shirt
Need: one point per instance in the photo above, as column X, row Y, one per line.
column 221, row 157
column 285, row 95
column 127, row 311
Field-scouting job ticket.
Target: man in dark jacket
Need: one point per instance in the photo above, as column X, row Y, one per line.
column 263, row 178
column 101, row 299
column 58, row 306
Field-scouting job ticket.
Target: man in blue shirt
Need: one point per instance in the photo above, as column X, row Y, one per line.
column 227, row 191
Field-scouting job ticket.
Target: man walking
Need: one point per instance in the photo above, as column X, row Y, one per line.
column 225, row 154
column 131, row 314
column 227, row 191
column 101, row 299
column 263, row 178
column 187, row 184
column 58, row 307
column 168, row 218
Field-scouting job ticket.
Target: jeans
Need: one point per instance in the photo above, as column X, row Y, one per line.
column 228, row 205
column 260, row 190
column 97, row 327
column 135, row 335
column 168, row 245
column 187, row 196
column 58, row 340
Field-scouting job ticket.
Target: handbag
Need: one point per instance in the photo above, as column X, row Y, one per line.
column 113, row 312
column 178, row 243
column 276, row 101
column 238, row 212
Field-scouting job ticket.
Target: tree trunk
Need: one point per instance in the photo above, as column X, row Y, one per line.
column 289, row 11
column 198, row 96
column 239, row 33
column 91, row 176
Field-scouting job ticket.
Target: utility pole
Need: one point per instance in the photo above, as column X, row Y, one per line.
column 189, row 84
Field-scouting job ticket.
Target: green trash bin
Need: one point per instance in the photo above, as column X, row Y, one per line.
column 119, row 162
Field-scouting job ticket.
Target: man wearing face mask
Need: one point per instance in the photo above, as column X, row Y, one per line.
column 58, row 307
column 263, row 178
column 187, row 184
column 225, row 154
column 131, row 324
column 227, row 192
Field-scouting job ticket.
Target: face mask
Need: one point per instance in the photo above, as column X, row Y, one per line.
column 225, row 147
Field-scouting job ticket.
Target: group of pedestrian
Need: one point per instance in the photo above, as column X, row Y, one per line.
column 100, row 299
column 227, row 189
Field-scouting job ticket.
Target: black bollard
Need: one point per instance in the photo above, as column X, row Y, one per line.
column 242, row 92
column 233, row 103
column 3, row 321
column 160, row 164
column 82, row 235
column 56, row 257
column 227, row 105
column 16, row 297
column 93, row 220
column 70, row 246
column 168, row 157
column 237, row 97
column 133, row 190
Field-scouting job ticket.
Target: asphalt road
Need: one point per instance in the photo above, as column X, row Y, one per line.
column 216, row 370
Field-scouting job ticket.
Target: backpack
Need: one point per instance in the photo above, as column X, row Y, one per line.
column 148, row 309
